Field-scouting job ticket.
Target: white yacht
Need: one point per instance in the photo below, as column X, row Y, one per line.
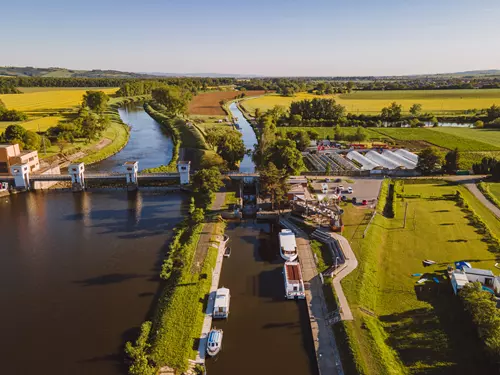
column 288, row 245
column 294, row 285
column 214, row 343
column 221, row 304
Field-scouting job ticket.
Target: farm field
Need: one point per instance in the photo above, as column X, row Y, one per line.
column 447, row 140
column 490, row 136
column 40, row 100
column 371, row 102
column 400, row 328
column 208, row 103
column 33, row 125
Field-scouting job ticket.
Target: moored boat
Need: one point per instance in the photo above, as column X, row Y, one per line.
column 221, row 304
column 227, row 252
column 288, row 245
column 294, row 285
column 214, row 342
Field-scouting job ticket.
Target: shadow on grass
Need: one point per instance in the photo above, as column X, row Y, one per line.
column 439, row 339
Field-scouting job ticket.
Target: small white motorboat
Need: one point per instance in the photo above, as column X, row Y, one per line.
column 214, row 343
column 227, row 252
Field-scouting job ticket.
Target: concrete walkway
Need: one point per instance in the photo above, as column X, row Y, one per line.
column 479, row 195
column 350, row 264
column 327, row 354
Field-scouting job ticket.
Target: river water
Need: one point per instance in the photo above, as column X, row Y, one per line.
column 149, row 143
column 79, row 272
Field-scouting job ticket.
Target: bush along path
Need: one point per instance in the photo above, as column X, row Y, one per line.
column 483, row 199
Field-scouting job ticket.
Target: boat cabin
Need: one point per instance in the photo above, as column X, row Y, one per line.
column 294, row 285
column 288, row 245
column 221, row 305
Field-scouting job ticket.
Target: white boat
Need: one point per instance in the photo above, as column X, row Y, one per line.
column 294, row 285
column 288, row 245
column 214, row 342
column 227, row 252
column 221, row 304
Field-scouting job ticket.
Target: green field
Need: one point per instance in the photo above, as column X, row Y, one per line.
column 447, row 140
column 489, row 136
column 371, row 102
column 398, row 328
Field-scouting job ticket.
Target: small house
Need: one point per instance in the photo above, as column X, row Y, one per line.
column 458, row 280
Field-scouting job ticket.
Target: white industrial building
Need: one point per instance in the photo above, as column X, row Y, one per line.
column 402, row 161
column 407, row 154
column 381, row 160
column 366, row 164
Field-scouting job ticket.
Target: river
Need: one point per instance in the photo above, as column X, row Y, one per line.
column 79, row 272
column 148, row 143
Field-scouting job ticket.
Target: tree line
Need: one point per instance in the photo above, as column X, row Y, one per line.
column 11, row 114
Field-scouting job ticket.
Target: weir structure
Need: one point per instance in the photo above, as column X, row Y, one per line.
column 21, row 178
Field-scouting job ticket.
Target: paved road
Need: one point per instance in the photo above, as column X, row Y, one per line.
column 477, row 193
column 351, row 264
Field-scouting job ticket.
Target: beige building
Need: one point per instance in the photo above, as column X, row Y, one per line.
column 12, row 155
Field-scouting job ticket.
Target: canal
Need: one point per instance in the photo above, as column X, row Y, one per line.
column 248, row 136
column 79, row 272
column 265, row 333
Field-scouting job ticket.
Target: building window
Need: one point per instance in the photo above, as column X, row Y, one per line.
column 4, row 168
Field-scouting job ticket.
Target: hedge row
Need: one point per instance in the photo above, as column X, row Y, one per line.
column 475, row 220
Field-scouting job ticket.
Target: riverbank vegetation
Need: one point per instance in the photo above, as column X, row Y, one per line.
column 402, row 326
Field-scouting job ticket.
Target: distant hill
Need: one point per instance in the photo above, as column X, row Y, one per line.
column 13, row 71
column 55, row 72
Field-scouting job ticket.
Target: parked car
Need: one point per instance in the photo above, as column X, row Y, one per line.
column 328, row 180
column 341, row 188
column 365, row 202
column 349, row 190
column 353, row 200
column 344, row 198
column 338, row 180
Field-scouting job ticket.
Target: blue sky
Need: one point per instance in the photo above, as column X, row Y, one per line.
column 272, row 37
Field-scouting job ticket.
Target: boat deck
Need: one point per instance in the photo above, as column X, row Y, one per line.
column 293, row 273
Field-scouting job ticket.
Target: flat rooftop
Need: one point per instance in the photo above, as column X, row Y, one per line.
column 287, row 240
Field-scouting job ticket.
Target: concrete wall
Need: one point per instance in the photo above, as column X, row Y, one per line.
column 41, row 185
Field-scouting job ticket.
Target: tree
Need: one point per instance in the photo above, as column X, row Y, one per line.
column 285, row 155
column 452, row 159
column 429, row 160
column 479, row 124
column 414, row 122
column 416, row 109
column 205, row 183
column 493, row 112
column 173, row 98
column 228, row 144
column 209, row 160
column 392, row 113
column 273, row 181
column 486, row 166
column 14, row 132
column 97, row 101
column 31, row 140
column 138, row 353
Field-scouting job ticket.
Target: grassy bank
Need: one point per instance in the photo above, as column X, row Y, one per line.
column 400, row 326
column 492, row 194
column 170, row 126
column 178, row 319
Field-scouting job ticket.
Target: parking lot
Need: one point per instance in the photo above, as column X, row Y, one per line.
column 363, row 188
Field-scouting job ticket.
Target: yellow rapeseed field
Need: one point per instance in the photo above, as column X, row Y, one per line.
column 42, row 99
column 42, row 123
column 371, row 102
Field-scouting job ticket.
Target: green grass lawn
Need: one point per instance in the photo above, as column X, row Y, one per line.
column 495, row 189
column 411, row 330
column 440, row 139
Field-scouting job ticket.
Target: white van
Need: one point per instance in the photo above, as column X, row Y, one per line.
column 324, row 188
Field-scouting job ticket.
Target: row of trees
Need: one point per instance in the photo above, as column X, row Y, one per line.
column 8, row 87
column 316, row 109
column 431, row 160
column 11, row 114
column 489, row 166
column 27, row 139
